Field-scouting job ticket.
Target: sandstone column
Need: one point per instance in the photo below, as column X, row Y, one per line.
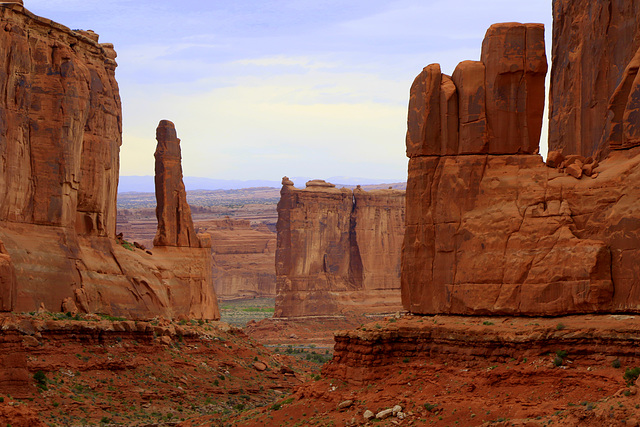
column 175, row 225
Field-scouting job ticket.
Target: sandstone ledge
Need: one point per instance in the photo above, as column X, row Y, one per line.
column 361, row 355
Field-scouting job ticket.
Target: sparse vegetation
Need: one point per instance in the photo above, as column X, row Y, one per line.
column 430, row 406
column 631, row 375
column 41, row 380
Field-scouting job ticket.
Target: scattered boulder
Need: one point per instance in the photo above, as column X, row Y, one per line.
column 554, row 158
column 346, row 404
column 575, row 170
column 386, row 413
column 368, row 415
column 260, row 366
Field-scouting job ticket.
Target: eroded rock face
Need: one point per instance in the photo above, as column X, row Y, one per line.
column 60, row 133
column 492, row 106
column 624, row 122
column 175, row 226
column 515, row 68
column 60, row 126
column 7, row 281
column 14, row 375
column 594, row 41
column 338, row 250
column 501, row 233
column 243, row 258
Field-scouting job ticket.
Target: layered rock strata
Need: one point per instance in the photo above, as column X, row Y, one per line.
column 60, row 133
column 495, row 231
column 369, row 353
column 338, row 250
column 243, row 257
column 593, row 44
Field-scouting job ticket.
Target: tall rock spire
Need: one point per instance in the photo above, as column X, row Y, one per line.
column 175, row 225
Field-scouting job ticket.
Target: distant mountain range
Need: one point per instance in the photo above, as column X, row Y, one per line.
column 145, row 184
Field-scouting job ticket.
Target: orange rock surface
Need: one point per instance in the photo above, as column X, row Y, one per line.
column 593, row 42
column 338, row 250
column 501, row 233
column 59, row 164
column 243, row 258
column 494, row 106
column 175, row 226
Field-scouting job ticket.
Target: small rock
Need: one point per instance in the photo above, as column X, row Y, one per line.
column 397, row 409
column 286, row 370
column 574, row 170
column 588, row 169
column 345, row 404
column 384, row 414
column 30, row 341
column 259, row 366
column 69, row 306
column 166, row 340
column 554, row 159
column 401, row 415
column 368, row 415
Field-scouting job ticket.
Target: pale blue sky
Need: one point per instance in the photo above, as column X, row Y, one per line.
column 260, row 89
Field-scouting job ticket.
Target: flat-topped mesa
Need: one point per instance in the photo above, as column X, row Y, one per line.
column 491, row 106
column 175, row 224
column 337, row 250
column 591, row 97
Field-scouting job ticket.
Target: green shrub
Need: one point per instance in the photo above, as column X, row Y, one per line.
column 487, row 323
column 562, row 354
column 41, row 380
column 631, row 374
column 430, row 406
column 560, row 326
column 616, row 363
column 558, row 361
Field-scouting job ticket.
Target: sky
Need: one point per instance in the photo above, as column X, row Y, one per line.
column 263, row 89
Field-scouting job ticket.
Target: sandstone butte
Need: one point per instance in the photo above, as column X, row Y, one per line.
column 60, row 138
column 493, row 230
column 338, row 250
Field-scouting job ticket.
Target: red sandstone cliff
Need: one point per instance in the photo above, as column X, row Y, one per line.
column 60, row 135
column 243, row 258
column 496, row 231
column 338, row 250
column 593, row 42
